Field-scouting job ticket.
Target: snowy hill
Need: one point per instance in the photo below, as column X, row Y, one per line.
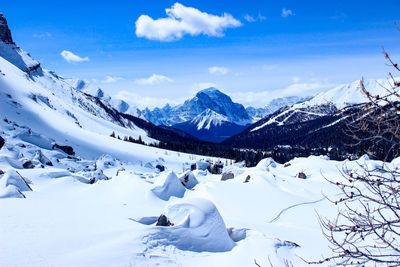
column 210, row 126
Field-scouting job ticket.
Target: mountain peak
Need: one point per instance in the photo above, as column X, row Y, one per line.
column 5, row 33
column 211, row 92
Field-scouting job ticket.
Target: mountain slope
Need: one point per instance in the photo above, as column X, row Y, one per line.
column 210, row 126
column 272, row 106
column 318, row 124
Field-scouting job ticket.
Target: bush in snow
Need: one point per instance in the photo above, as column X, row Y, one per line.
column 365, row 231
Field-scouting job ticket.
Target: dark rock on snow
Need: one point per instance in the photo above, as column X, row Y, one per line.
column 2, row 142
column 66, row 149
column 28, row 165
column 227, row 176
column 163, row 221
column 5, row 33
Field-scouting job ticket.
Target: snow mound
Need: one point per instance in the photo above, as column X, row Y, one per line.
column 202, row 165
column 12, row 184
column 266, row 164
column 169, row 185
column 188, row 179
column 197, row 226
column 106, row 161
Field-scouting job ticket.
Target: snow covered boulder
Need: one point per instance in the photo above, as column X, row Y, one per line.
column 105, row 162
column 169, row 185
column 202, row 165
column 266, row 164
column 188, row 179
column 12, row 184
column 92, row 176
column 197, row 226
column 42, row 158
column 158, row 165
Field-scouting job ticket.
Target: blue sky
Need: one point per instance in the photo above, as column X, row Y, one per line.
column 257, row 51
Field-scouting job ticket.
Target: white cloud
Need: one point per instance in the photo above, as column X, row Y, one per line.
column 182, row 20
column 286, row 13
column 142, row 102
column 72, row 58
column 153, row 79
column 42, row 35
column 112, row 79
column 203, row 85
column 250, row 18
column 216, row 70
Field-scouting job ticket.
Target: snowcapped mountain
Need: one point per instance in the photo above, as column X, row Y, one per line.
column 319, row 122
column 210, row 98
column 93, row 90
column 210, row 126
column 48, row 105
column 324, row 104
column 274, row 105
column 210, row 116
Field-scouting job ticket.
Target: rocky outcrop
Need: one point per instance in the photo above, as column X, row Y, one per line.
column 5, row 33
column 1, row 142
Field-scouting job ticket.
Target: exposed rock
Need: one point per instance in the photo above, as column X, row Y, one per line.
column 43, row 159
column 227, row 176
column 216, row 167
column 28, row 165
column 301, row 175
column 163, row 221
column 247, row 179
column 160, row 167
column 67, row 149
column 5, row 33
column 2, row 142
column 193, row 166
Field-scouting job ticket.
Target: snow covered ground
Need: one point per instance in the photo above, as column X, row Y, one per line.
column 85, row 212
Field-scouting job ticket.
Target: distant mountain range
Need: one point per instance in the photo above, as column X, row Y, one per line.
column 318, row 123
column 212, row 115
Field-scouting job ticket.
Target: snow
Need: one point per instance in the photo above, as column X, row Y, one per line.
column 168, row 185
column 99, row 207
column 197, row 226
column 208, row 118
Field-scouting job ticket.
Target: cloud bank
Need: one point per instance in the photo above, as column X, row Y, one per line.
column 153, row 79
column 182, row 20
column 72, row 58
